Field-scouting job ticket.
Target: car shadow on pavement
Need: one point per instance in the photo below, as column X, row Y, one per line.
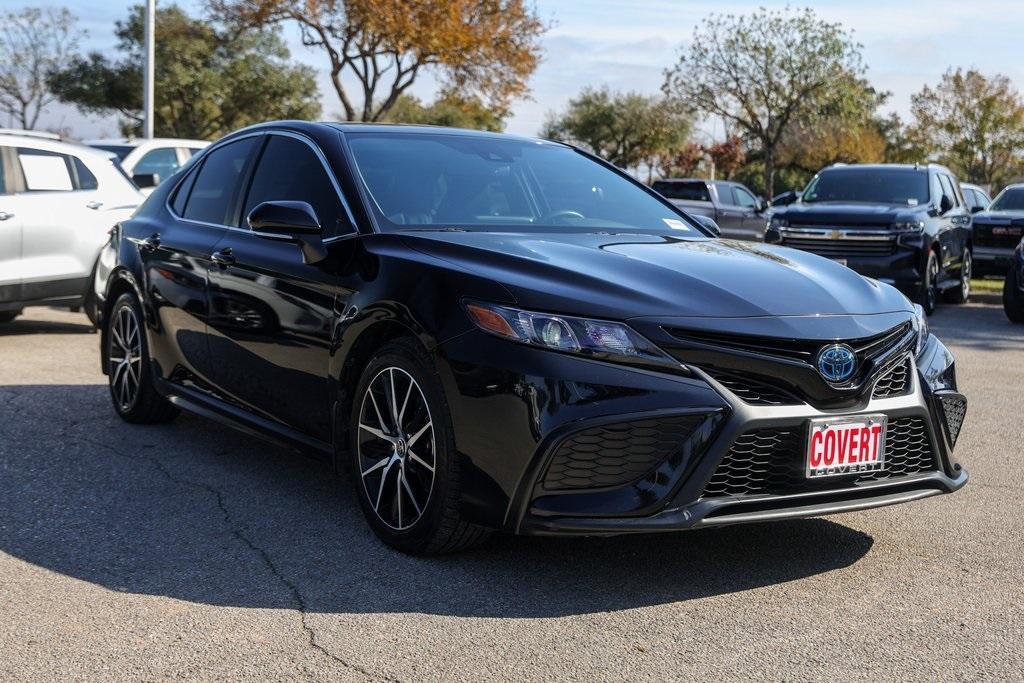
column 23, row 326
column 982, row 327
column 194, row 511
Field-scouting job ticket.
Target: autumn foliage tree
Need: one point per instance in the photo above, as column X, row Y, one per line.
column 763, row 72
column 727, row 156
column 974, row 124
column 482, row 48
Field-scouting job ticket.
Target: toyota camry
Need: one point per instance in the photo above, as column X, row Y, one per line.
column 494, row 333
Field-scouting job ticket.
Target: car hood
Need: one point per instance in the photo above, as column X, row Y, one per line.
column 1000, row 217
column 837, row 213
column 622, row 276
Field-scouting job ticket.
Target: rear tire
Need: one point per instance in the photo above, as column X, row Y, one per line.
column 1013, row 301
column 962, row 292
column 129, row 372
column 8, row 316
column 402, row 452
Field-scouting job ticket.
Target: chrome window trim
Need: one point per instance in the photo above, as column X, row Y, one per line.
column 263, row 133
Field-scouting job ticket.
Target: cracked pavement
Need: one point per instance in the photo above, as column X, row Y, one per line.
column 191, row 551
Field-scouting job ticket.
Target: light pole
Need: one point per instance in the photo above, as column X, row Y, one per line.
column 147, row 78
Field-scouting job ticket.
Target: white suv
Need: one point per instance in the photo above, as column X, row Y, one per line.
column 150, row 161
column 58, row 201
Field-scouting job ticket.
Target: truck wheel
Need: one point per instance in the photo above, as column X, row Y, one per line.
column 1013, row 300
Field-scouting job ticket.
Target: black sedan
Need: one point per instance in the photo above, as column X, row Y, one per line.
column 499, row 333
column 997, row 231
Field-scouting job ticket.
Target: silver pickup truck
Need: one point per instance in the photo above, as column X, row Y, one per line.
column 739, row 214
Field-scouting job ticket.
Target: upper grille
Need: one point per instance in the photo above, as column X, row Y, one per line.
column 896, row 382
column 617, row 454
column 754, row 392
column 955, row 408
column 840, row 248
column 771, row 461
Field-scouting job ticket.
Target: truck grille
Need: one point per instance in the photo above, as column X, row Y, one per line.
column 840, row 248
column 617, row 454
column 771, row 461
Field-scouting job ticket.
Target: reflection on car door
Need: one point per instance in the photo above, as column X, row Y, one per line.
column 271, row 313
column 954, row 227
column 176, row 257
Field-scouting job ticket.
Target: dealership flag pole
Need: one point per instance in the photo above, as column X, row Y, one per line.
column 147, row 96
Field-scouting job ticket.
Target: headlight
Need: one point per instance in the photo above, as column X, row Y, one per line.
column 778, row 222
column 909, row 226
column 920, row 323
column 596, row 338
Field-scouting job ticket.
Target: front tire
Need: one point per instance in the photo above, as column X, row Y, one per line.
column 403, row 455
column 129, row 372
column 1013, row 301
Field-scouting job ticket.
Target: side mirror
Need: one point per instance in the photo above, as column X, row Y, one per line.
column 146, row 180
column 762, row 205
column 945, row 204
column 707, row 223
column 292, row 221
column 977, row 209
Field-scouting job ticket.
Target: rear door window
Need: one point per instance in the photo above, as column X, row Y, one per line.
column 693, row 191
column 289, row 170
column 45, row 171
column 217, row 182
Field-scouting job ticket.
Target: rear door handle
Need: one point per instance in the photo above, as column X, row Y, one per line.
column 94, row 205
column 4, row 215
column 223, row 257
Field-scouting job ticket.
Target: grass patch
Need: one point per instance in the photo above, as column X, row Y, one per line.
column 986, row 285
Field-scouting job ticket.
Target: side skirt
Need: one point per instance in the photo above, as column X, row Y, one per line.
column 214, row 409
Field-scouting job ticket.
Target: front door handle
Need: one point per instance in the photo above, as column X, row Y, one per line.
column 151, row 243
column 4, row 215
column 223, row 257
column 94, row 205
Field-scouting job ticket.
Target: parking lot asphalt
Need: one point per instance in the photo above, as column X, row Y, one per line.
column 190, row 551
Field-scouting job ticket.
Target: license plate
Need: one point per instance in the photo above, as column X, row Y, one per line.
column 845, row 445
column 840, row 261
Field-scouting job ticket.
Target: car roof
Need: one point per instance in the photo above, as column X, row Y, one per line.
column 690, row 180
column 905, row 167
column 138, row 142
column 313, row 127
column 50, row 145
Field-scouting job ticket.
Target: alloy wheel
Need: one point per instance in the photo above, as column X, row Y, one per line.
column 125, row 357
column 932, row 284
column 396, row 448
column 965, row 275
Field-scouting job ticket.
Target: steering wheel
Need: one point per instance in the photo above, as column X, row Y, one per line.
column 557, row 216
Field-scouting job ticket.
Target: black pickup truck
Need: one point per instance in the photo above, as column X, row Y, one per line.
column 906, row 225
column 998, row 231
column 738, row 213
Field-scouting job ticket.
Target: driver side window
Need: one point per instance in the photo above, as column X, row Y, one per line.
column 744, row 198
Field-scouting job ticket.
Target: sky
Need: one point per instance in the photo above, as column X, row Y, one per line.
column 626, row 45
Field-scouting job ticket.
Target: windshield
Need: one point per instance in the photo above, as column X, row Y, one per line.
column 483, row 183
column 120, row 150
column 908, row 187
column 1010, row 199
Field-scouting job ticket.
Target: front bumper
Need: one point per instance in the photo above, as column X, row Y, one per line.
column 509, row 424
column 992, row 260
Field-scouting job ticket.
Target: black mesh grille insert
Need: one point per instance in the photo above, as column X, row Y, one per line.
column 896, row 382
column 771, row 461
column 955, row 408
column 754, row 392
column 617, row 454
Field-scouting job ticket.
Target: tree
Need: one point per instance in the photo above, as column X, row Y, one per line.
column 33, row 43
column 682, row 162
column 764, row 71
column 479, row 48
column 209, row 80
column 727, row 156
column 973, row 124
column 449, row 109
column 627, row 129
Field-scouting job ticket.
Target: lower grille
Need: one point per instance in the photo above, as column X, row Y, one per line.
column 771, row 461
column 753, row 392
column 841, row 248
column 896, row 382
column 617, row 454
column 955, row 408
